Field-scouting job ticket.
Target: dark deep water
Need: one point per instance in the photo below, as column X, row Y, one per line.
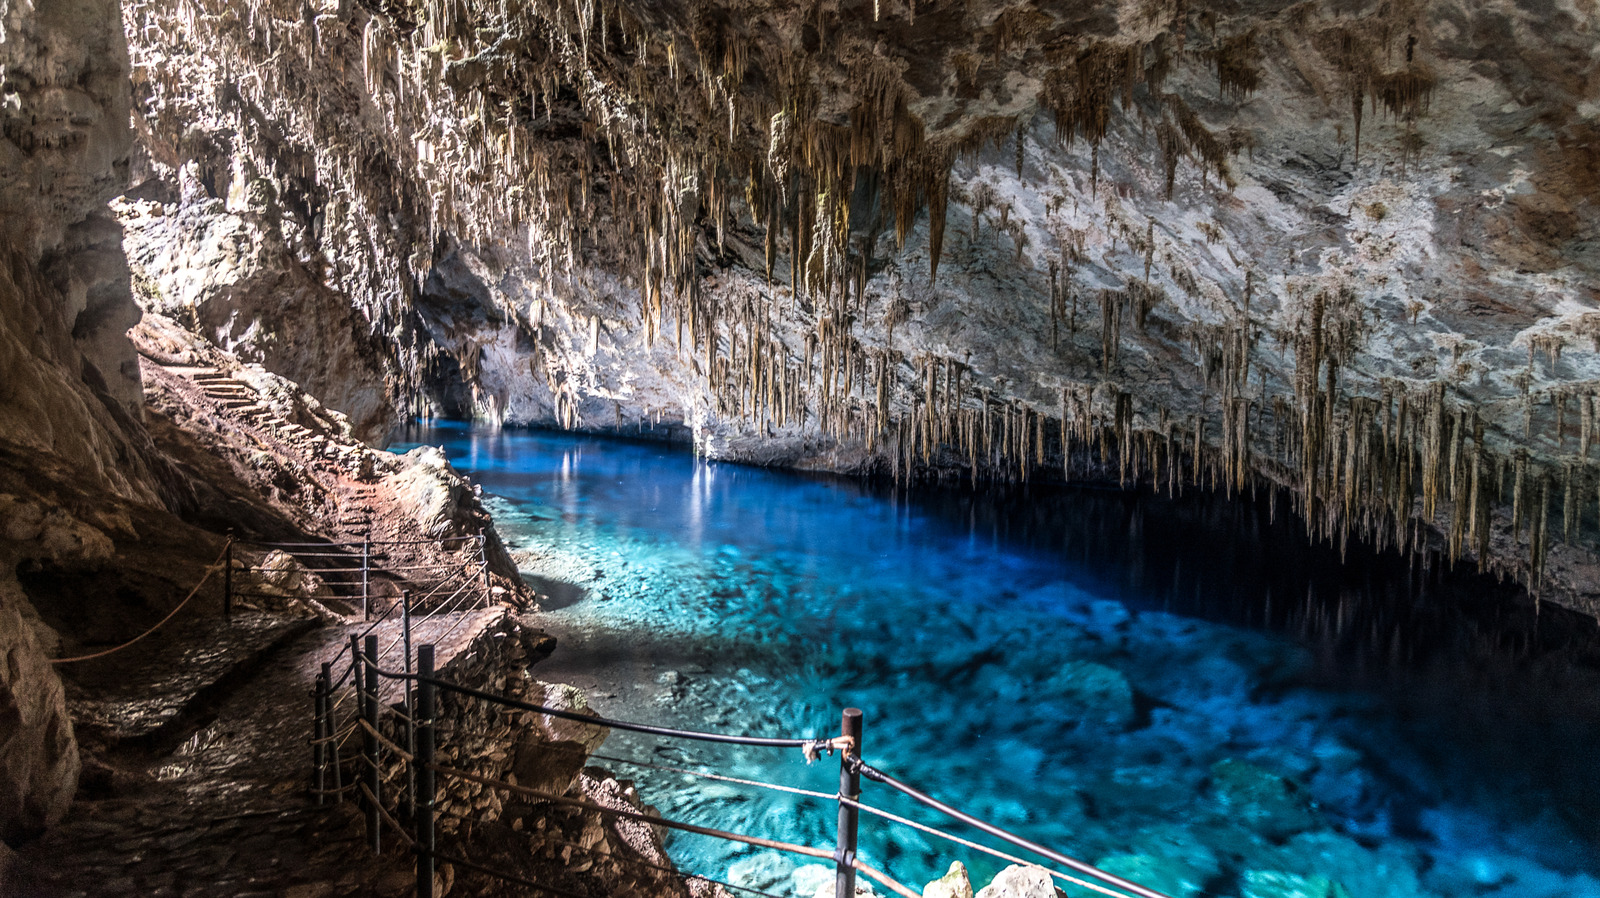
column 1178, row 690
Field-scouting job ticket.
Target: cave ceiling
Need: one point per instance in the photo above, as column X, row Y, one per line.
column 1342, row 247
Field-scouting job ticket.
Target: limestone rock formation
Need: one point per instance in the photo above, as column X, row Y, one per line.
column 1342, row 250
column 38, row 756
column 224, row 269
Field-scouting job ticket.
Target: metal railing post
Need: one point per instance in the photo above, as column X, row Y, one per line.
column 333, row 746
column 405, row 691
column 366, row 568
column 844, row 852
column 227, row 579
column 483, row 561
column 319, row 736
column 422, row 726
column 369, row 676
column 405, row 625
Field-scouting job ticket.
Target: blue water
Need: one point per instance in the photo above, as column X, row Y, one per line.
column 1177, row 690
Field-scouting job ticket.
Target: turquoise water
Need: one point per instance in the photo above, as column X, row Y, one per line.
column 1178, row 690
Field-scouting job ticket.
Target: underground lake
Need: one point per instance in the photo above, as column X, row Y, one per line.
column 1184, row 691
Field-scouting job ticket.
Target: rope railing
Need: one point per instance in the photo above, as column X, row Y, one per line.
column 411, row 745
column 210, row 569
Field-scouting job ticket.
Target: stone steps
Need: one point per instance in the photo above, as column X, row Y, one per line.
column 192, row 372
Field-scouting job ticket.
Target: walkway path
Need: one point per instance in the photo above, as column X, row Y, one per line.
column 216, row 805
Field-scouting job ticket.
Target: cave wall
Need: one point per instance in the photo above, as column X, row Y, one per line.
column 69, row 378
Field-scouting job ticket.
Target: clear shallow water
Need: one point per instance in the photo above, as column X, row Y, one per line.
column 1175, row 690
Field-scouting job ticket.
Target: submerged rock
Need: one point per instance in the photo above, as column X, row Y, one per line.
column 1179, row 844
column 1275, row 884
column 764, row 872
column 1093, row 693
column 819, row 881
column 1385, row 870
column 808, row 878
column 1165, row 875
column 1261, row 800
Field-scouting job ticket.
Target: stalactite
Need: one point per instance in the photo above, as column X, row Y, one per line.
column 1122, row 425
column 1585, row 424
column 1569, row 504
column 1518, row 476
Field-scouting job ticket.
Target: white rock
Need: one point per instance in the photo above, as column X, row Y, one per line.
column 1017, row 881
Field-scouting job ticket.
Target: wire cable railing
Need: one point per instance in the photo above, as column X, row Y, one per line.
column 437, row 571
column 407, row 756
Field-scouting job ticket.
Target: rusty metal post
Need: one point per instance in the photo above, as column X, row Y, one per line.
column 369, row 742
column 844, row 852
column 366, row 568
column 423, row 738
column 227, row 578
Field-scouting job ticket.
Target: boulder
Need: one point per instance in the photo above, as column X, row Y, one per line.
column 1018, row 881
column 439, row 497
column 550, row 751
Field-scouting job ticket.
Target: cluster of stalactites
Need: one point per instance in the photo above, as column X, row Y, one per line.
column 465, row 99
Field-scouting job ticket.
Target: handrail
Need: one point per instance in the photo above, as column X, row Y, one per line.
column 878, row 776
column 811, row 747
column 756, row 841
